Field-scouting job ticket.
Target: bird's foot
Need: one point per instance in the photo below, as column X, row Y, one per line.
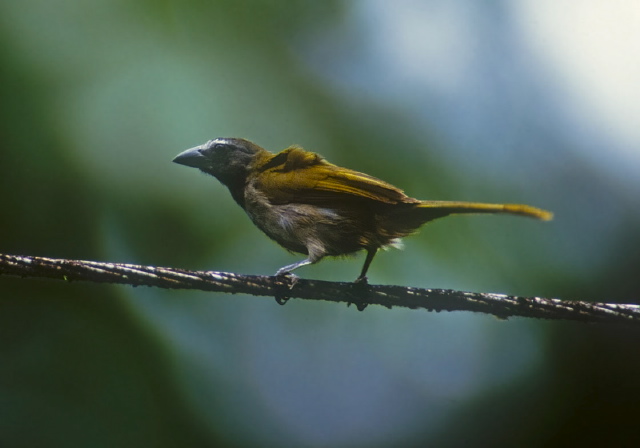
column 284, row 281
column 360, row 306
column 287, row 278
column 360, row 289
column 362, row 280
column 281, row 299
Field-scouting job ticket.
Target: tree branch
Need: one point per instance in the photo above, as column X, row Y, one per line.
column 282, row 289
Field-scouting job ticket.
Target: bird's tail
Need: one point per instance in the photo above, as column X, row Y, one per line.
column 437, row 209
column 404, row 221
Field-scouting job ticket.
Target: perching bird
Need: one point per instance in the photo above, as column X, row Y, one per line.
column 313, row 207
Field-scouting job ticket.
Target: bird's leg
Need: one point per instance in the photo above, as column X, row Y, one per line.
column 371, row 252
column 290, row 267
column 285, row 271
column 291, row 279
column 361, row 286
column 314, row 257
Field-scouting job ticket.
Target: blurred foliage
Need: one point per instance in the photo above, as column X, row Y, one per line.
column 98, row 96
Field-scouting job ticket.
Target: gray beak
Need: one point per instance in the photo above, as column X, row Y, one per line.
column 192, row 157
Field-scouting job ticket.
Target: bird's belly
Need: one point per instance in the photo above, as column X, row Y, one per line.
column 303, row 228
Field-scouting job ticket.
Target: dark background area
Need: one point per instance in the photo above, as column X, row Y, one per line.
column 533, row 102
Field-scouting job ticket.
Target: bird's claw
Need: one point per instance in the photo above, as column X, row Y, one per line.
column 287, row 278
column 362, row 280
column 360, row 288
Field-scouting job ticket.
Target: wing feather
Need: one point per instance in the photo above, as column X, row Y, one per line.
column 296, row 175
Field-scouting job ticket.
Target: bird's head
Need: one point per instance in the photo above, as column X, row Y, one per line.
column 227, row 159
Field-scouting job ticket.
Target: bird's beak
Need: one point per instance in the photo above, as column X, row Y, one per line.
column 192, row 157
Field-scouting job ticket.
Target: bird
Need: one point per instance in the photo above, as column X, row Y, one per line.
column 313, row 207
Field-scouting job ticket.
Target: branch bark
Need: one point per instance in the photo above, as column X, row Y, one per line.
column 499, row 305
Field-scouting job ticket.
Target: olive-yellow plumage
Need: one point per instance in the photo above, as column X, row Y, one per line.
column 316, row 208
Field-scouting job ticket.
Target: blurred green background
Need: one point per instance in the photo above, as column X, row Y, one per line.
column 529, row 101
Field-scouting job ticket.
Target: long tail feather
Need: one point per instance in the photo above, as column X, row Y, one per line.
column 439, row 209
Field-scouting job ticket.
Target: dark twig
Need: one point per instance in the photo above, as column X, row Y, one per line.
column 499, row 305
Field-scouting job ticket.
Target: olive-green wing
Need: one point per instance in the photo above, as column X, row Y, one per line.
column 295, row 175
